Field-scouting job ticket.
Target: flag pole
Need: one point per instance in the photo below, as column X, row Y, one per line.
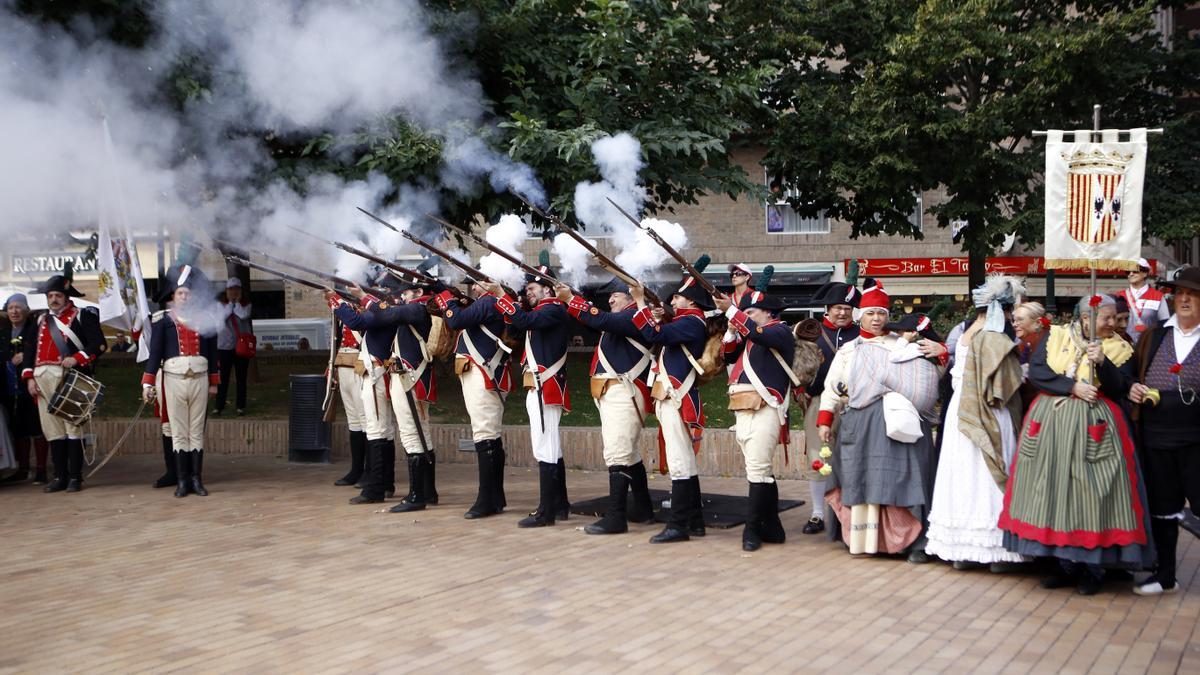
column 1095, row 139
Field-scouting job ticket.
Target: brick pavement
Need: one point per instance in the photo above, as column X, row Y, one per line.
column 275, row 572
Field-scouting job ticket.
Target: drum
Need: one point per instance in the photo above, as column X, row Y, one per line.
column 76, row 397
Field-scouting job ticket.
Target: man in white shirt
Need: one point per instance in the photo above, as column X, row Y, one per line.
column 1147, row 305
column 236, row 322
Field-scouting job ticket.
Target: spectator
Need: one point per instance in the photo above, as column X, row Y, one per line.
column 231, row 355
column 24, row 424
column 121, row 343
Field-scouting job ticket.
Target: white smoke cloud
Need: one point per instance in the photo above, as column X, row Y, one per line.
column 642, row 254
column 619, row 159
column 573, row 259
column 507, row 235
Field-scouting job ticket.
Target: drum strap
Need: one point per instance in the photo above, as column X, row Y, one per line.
column 59, row 330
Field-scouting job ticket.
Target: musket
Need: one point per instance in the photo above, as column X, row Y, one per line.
column 522, row 265
column 238, row 260
column 687, row 266
column 267, row 256
column 471, row 272
column 399, row 270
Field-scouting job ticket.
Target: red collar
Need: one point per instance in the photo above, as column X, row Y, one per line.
column 698, row 313
column 867, row 336
column 552, row 301
column 828, row 324
column 423, row 298
column 67, row 313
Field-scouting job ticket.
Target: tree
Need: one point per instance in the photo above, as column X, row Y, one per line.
column 945, row 93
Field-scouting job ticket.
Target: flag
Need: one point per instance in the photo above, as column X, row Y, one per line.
column 122, row 299
column 1094, row 200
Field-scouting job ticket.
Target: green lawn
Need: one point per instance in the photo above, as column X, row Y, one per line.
column 268, row 392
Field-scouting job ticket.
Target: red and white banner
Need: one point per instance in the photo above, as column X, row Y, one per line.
column 952, row 267
column 1094, row 200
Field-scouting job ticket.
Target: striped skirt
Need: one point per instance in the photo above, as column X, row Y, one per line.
column 1075, row 490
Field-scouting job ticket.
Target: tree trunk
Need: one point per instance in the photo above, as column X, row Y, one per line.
column 976, row 266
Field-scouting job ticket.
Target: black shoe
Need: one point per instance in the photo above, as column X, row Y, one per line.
column 750, row 540
column 547, row 495
column 360, row 499
column 171, row 476
column 1059, row 580
column 918, row 557
column 965, row 565
column 39, row 478
column 183, row 474
column 19, row 477
column 197, row 466
column 614, row 521
column 1089, row 584
column 670, row 535
column 56, row 485
column 642, row 509
column 74, row 485
column 814, row 526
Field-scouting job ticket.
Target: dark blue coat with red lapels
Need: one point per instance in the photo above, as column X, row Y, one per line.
column 377, row 337
column 755, row 347
column 471, row 322
column 831, row 339
column 616, row 331
column 685, row 334
column 547, row 329
column 400, row 320
column 170, row 338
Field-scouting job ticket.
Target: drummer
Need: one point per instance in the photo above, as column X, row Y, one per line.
column 186, row 351
column 68, row 339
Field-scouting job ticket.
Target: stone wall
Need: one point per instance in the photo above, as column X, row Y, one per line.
column 582, row 446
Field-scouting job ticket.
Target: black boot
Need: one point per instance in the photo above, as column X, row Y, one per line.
column 358, row 452
column 547, row 497
column 696, row 516
column 681, row 508
column 171, row 476
column 389, row 468
column 58, row 455
column 752, row 532
column 428, row 473
column 373, row 486
column 613, row 521
column 415, row 501
column 768, row 511
column 74, row 464
column 183, row 473
column 366, row 469
column 485, row 499
column 562, row 508
column 642, row 510
column 197, row 470
column 498, row 460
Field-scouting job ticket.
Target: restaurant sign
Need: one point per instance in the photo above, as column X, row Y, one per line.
column 50, row 263
column 948, row 267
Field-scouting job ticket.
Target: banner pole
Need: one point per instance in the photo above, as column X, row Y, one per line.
column 1095, row 139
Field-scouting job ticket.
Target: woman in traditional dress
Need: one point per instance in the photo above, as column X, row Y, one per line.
column 1031, row 325
column 979, row 436
column 1076, row 490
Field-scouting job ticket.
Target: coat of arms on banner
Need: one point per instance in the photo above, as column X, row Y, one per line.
column 1094, row 201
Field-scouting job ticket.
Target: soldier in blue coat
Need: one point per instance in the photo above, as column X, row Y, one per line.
column 186, row 351
column 760, row 393
column 676, row 393
column 545, row 326
column 481, row 360
column 619, row 374
column 379, row 421
column 837, row 328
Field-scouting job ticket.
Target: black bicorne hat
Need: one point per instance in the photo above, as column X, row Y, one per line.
column 918, row 323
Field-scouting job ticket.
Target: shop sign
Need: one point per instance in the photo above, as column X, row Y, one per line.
column 50, row 263
column 952, row 267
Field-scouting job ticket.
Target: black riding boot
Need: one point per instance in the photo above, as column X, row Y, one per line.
column 358, row 452
column 366, row 468
column 547, row 497
column 183, row 473
column 197, row 469
column 171, row 476
column 58, row 455
column 613, row 521
column 498, row 460
column 696, row 516
column 752, row 532
column 416, row 500
column 562, row 508
column 681, row 508
column 373, row 485
column 428, row 473
column 74, row 464
column 772, row 527
column 642, row 510
column 485, row 499
column 389, row 468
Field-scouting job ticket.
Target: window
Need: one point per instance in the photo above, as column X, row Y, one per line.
column 918, row 214
column 781, row 218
